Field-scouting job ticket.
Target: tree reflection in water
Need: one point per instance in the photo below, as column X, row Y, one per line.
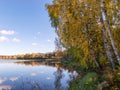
column 58, row 76
column 26, row 75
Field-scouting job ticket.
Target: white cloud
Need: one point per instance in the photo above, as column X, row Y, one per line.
column 35, row 37
column 7, row 32
column 38, row 33
column 3, row 39
column 34, row 44
column 16, row 40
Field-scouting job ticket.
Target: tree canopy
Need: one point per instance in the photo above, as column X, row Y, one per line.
column 88, row 29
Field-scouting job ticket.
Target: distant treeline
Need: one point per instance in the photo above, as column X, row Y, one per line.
column 51, row 55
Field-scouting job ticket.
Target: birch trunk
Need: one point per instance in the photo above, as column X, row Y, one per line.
column 110, row 35
column 106, row 45
column 112, row 40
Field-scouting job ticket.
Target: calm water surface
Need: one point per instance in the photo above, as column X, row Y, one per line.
column 33, row 75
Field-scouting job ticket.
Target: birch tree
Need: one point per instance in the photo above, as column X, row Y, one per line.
column 85, row 29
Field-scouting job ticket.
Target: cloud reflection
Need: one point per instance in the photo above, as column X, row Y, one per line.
column 48, row 78
column 33, row 74
column 2, row 80
column 5, row 87
column 13, row 78
column 41, row 71
column 5, row 79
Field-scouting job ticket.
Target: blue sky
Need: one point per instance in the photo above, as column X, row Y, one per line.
column 25, row 27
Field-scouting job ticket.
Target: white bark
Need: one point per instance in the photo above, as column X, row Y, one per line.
column 110, row 36
column 106, row 44
column 112, row 42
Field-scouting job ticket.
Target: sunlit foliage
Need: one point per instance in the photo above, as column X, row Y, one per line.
column 84, row 28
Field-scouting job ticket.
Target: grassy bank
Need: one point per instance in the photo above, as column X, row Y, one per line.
column 94, row 78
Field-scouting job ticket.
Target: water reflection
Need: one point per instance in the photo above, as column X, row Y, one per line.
column 5, row 87
column 58, row 76
column 33, row 75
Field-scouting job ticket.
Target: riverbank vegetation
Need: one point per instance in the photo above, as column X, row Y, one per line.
column 89, row 30
column 51, row 55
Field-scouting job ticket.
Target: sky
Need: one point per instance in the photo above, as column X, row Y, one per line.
column 25, row 27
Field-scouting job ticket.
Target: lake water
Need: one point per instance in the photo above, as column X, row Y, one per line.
column 33, row 75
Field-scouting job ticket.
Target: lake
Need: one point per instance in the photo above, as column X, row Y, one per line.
column 34, row 75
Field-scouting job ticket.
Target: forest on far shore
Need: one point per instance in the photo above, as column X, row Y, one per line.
column 51, row 55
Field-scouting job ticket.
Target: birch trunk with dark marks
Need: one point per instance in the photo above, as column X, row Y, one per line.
column 108, row 28
column 106, row 44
